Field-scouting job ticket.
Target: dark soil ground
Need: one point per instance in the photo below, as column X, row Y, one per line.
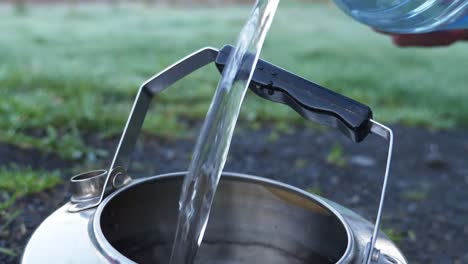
column 427, row 202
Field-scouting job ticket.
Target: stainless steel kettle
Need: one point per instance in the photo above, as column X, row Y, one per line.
column 115, row 218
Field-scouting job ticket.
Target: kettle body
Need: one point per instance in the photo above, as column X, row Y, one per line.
column 254, row 220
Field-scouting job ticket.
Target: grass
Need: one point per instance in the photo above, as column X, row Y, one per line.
column 394, row 235
column 17, row 182
column 65, row 75
column 336, row 156
column 300, row 163
column 415, row 196
column 315, row 190
column 7, row 251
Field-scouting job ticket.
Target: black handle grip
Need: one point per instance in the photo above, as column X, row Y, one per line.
column 308, row 99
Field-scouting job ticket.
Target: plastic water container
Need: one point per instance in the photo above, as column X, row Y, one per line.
column 408, row 16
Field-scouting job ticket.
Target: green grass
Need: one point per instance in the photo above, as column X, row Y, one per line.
column 394, row 235
column 23, row 181
column 336, row 156
column 65, row 75
column 300, row 163
column 415, row 195
column 314, row 190
column 8, row 252
column 17, row 182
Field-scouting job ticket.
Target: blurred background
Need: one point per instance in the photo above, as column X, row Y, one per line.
column 69, row 71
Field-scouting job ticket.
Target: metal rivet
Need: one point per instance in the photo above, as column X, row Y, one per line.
column 375, row 255
column 118, row 180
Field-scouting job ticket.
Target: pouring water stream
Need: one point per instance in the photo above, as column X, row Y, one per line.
column 213, row 143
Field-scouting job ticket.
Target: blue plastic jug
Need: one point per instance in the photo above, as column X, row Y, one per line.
column 408, row 16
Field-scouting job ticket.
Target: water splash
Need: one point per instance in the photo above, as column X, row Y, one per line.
column 213, row 143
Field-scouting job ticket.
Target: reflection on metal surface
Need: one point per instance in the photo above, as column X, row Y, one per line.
column 300, row 201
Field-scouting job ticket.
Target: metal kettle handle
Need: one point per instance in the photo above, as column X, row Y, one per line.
column 271, row 82
column 147, row 91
